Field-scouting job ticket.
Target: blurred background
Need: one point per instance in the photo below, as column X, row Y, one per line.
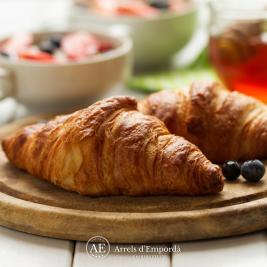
column 58, row 55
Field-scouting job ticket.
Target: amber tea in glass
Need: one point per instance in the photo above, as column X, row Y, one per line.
column 238, row 51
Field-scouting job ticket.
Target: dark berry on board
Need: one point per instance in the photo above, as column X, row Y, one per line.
column 47, row 46
column 231, row 170
column 159, row 4
column 56, row 40
column 253, row 170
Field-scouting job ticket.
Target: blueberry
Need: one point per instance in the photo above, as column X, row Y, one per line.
column 252, row 170
column 231, row 170
column 55, row 39
column 159, row 4
column 4, row 54
column 47, row 46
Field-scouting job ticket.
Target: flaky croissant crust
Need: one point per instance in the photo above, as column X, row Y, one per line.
column 224, row 125
column 110, row 148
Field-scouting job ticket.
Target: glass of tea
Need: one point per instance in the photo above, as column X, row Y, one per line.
column 238, row 45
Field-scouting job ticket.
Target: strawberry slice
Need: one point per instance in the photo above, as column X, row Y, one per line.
column 79, row 45
column 136, row 9
column 36, row 56
column 104, row 46
column 17, row 43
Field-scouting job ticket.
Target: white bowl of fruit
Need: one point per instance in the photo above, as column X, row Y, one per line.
column 159, row 28
column 60, row 67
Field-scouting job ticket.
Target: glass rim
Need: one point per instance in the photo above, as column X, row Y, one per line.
column 226, row 11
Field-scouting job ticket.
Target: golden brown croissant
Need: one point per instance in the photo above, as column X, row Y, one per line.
column 224, row 125
column 110, row 148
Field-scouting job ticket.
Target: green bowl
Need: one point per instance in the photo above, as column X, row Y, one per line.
column 156, row 40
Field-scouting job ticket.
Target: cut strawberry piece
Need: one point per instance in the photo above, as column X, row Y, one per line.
column 36, row 56
column 104, row 46
column 124, row 8
column 17, row 43
column 79, row 45
column 137, row 9
column 104, row 7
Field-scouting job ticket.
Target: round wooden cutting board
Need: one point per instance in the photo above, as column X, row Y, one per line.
column 35, row 206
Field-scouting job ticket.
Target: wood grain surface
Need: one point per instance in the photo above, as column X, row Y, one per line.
column 33, row 205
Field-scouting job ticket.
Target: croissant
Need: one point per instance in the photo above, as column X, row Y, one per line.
column 224, row 125
column 110, row 148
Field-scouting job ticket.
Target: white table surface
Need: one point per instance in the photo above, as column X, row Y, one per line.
column 25, row 250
